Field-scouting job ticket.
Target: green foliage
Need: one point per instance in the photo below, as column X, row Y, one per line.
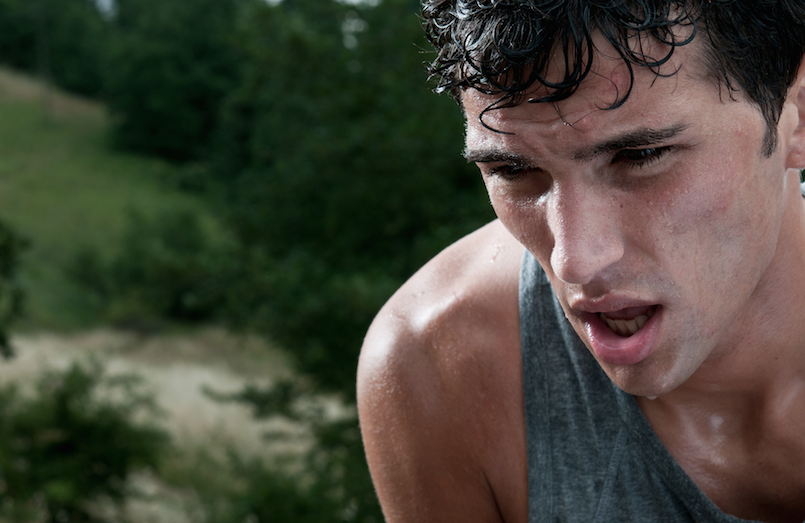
column 162, row 65
column 76, row 40
column 72, row 443
column 318, row 143
column 333, row 151
column 319, row 315
column 333, row 484
column 165, row 267
column 18, row 34
column 315, row 138
column 65, row 190
column 339, row 173
column 167, row 67
column 61, row 38
column 268, row 494
column 11, row 292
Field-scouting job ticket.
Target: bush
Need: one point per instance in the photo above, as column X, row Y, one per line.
column 167, row 66
column 74, row 442
column 165, row 268
column 11, row 292
column 330, row 484
column 63, row 39
column 338, row 172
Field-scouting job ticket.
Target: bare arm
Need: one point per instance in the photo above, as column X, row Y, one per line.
column 439, row 390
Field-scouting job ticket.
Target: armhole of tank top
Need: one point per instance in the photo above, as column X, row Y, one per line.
column 536, row 398
column 802, row 188
column 607, row 491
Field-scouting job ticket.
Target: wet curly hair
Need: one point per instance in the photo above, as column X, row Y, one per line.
column 503, row 47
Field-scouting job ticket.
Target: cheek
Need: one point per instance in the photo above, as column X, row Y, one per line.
column 723, row 186
column 717, row 233
column 525, row 219
column 712, row 198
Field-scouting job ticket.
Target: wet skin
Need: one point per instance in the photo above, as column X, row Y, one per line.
column 665, row 209
column 686, row 225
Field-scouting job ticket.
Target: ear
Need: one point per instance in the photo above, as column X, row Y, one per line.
column 796, row 97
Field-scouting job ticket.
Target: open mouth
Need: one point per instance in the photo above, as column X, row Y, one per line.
column 627, row 321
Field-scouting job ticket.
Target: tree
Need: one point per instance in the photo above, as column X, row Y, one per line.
column 11, row 291
column 74, row 32
column 314, row 135
column 73, row 443
column 167, row 66
column 340, row 171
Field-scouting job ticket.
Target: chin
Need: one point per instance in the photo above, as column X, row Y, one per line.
column 646, row 382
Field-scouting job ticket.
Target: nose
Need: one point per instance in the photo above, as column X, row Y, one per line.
column 587, row 233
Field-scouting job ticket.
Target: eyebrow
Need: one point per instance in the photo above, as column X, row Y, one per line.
column 494, row 155
column 638, row 138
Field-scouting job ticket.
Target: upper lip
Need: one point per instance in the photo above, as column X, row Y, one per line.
column 607, row 303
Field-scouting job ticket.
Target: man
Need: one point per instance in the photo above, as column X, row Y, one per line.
column 625, row 343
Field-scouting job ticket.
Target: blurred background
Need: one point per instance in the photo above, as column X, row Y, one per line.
column 203, row 204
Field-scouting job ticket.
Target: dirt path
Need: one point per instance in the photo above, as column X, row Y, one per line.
column 176, row 369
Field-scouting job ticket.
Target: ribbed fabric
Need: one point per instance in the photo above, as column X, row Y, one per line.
column 592, row 456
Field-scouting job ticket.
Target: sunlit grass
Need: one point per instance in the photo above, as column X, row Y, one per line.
column 64, row 188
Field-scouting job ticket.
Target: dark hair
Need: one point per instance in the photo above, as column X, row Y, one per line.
column 503, row 47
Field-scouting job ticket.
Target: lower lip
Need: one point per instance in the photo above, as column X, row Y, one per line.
column 614, row 349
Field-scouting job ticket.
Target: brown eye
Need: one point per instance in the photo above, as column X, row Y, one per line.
column 641, row 157
column 509, row 172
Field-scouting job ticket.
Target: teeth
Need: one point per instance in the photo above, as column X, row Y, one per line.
column 626, row 327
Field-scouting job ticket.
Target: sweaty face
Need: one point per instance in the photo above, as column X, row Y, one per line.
column 657, row 223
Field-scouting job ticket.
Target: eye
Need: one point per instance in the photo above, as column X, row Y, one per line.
column 510, row 173
column 641, row 158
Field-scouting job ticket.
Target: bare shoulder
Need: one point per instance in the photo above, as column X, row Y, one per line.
column 467, row 290
column 440, row 388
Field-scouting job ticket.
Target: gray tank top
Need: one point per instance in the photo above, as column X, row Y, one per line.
column 592, row 456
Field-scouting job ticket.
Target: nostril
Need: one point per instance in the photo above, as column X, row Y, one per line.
column 586, row 230
column 579, row 260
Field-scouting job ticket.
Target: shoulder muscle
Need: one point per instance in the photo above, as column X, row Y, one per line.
column 438, row 375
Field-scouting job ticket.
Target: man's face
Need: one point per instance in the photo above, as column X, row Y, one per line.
column 657, row 223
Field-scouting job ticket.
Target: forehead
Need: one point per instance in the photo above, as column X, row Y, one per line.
column 652, row 99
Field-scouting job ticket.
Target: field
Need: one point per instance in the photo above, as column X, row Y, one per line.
column 63, row 188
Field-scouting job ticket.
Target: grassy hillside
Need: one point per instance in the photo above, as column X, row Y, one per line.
column 64, row 188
